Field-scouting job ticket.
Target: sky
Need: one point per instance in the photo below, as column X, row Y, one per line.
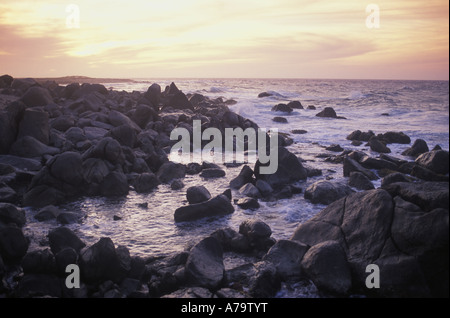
column 351, row 39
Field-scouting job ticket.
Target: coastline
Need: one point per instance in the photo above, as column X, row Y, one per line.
column 158, row 111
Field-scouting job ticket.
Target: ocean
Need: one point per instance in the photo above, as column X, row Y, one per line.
column 420, row 109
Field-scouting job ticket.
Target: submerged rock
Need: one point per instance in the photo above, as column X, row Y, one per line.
column 219, row 205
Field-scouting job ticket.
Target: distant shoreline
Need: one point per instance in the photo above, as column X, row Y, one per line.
column 82, row 79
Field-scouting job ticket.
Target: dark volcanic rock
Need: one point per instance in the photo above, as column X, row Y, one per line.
column 204, row 266
column 329, row 112
column 394, row 177
column 245, row 176
column 286, row 255
column 249, row 190
column 295, row 105
column 437, row 161
column 419, row 147
column 30, row 147
column 376, row 145
column 11, row 214
column 114, row 184
column 212, row 173
column 219, row 205
column 13, row 243
column 280, row 120
column 335, row 148
column 145, row 182
column 326, row 192
column 395, row 234
column 170, row 170
column 35, row 124
column 264, row 94
column 197, row 194
column 63, row 237
column 248, row 203
column 37, row 96
column 316, row 263
column 427, row 195
column 282, row 108
column 360, row 181
column 289, row 170
column 394, row 137
column 101, row 262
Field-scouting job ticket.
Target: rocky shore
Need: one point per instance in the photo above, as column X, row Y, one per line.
column 58, row 143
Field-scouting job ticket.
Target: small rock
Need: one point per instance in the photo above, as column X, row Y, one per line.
column 177, row 184
column 264, row 94
column 212, row 173
column 282, row 108
column 298, row 132
column 197, row 194
column 249, row 190
column 248, row 203
column 280, row 120
column 335, row 148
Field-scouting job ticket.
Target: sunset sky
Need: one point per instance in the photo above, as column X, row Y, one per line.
column 225, row 38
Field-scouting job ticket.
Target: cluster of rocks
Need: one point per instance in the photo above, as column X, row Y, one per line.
column 109, row 271
column 327, row 112
column 58, row 143
column 110, row 140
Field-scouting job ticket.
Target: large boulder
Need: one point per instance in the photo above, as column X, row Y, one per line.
column 30, row 147
column 395, row 137
column 427, row 195
column 419, row 147
column 37, row 96
column 35, row 124
column 204, row 266
column 114, row 184
column 13, row 243
column 107, row 149
column 373, row 228
column 59, row 168
column 287, row 255
column 125, row 135
column 219, row 205
column 101, row 262
column 180, row 101
column 171, row 170
column 153, row 94
column 9, row 213
column 62, row 237
column 289, row 170
column 326, row 265
column 326, row 192
column 437, row 161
